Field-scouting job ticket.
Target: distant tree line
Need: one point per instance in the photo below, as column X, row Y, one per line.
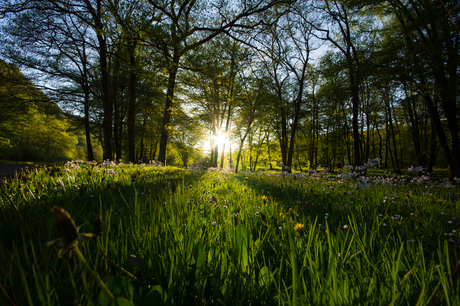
column 145, row 78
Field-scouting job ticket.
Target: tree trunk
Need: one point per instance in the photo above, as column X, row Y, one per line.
column 298, row 102
column 105, row 89
column 168, row 107
column 239, row 151
column 105, row 95
column 89, row 147
column 132, row 103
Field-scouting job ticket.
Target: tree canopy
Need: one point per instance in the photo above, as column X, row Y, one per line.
column 147, row 79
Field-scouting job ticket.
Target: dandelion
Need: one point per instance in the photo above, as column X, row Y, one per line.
column 264, row 199
column 299, row 228
column 68, row 232
column 245, row 189
column 69, row 239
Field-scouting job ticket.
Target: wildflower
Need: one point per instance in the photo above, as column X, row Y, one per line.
column 68, row 232
column 264, row 199
column 299, row 227
column 291, row 212
column 245, row 189
column 213, row 223
column 345, row 226
column 69, row 239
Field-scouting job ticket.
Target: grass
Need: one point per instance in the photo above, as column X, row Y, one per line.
column 187, row 237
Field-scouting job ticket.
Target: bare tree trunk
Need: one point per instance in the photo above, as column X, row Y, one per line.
column 132, row 103
column 168, row 107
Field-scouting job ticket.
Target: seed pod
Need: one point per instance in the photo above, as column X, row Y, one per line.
column 66, row 226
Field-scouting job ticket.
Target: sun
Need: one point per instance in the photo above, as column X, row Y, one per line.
column 220, row 139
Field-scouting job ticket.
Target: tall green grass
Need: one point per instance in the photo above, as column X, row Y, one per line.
column 181, row 237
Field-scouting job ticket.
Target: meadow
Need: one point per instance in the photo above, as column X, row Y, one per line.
column 154, row 235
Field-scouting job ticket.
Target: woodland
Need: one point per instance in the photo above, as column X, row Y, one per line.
column 302, row 84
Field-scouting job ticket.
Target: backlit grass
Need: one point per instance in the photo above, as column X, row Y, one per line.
column 172, row 236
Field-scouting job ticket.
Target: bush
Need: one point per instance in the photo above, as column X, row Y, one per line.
column 26, row 153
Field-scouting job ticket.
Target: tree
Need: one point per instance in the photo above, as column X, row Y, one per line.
column 211, row 83
column 285, row 50
column 249, row 108
column 186, row 138
column 432, row 43
column 186, row 25
column 17, row 93
column 89, row 13
column 340, row 20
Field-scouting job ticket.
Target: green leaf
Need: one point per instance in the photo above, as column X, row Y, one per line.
column 120, row 287
column 213, row 254
column 242, row 245
column 156, row 297
column 264, row 276
column 199, row 255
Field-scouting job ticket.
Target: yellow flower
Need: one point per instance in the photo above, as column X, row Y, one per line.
column 281, row 215
column 264, row 199
column 299, row 227
column 291, row 212
column 245, row 189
